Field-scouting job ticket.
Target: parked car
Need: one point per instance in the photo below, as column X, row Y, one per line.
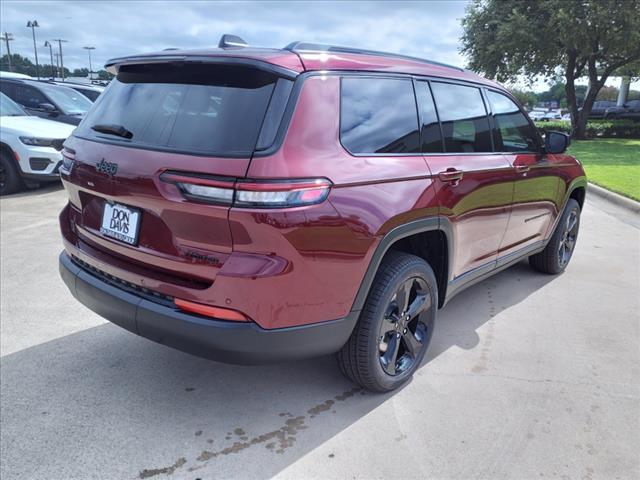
column 628, row 111
column 599, row 108
column 253, row 205
column 45, row 100
column 29, row 147
column 536, row 115
column 4, row 74
column 551, row 117
column 92, row 92
column 566, row 117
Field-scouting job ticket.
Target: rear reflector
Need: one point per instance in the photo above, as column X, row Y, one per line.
column 249, row 193
column 209, row 311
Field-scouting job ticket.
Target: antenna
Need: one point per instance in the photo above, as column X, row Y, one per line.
column 231, row 41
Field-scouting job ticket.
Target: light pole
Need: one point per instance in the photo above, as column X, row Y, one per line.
column 32, row 26
column 53, row 72
column 57, row 55
column 8, row 37
column 88, row 49
column 60, row 42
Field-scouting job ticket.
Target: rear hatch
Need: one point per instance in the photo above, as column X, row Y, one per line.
column 185, row 120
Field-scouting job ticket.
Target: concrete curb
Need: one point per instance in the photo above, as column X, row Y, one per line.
column 615, row 198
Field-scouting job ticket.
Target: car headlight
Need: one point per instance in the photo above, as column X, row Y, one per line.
column 37, row 142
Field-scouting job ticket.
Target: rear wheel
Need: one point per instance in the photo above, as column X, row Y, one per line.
column 395, row 326
column 9, row 178
column 556, row 255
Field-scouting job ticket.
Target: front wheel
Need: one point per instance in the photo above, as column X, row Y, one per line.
column 556, row 255
column 9, row 178
column 395, row 326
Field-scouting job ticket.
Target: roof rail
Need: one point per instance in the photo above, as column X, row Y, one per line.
column 231, row 41
column 298, row 47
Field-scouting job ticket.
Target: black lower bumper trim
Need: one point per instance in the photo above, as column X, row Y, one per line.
column 224, row 341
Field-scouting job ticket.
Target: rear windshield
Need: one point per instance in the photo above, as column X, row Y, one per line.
column 195, row 108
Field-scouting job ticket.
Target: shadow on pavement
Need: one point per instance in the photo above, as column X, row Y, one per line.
column 97, row 402
column 39, row 190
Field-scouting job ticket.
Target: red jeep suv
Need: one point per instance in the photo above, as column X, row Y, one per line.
column 251, row 205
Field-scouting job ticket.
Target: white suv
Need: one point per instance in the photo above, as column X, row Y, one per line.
column 29, row 147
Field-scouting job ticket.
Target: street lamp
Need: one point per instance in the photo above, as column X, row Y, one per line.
column 8, row 37
column 60, row 42
column 53, row 72
column 57, row 55
column 32, row 26
column 88, row 49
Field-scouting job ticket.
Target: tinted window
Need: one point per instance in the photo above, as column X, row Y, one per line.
column 465, row 125
column 378, row 115
column 431, row 138
column 66, row 99
column 514, row 133
column 29, row 96
column 90, row 94
column 208, row 109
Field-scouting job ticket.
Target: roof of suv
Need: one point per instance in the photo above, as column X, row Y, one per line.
column 299, row 57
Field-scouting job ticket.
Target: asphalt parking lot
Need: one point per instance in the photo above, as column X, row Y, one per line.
column 528, row 376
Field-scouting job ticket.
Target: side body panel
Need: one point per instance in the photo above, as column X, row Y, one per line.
column 477, row 207
column 329, row 249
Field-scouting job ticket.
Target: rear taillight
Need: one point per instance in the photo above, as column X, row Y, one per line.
column 250, row 193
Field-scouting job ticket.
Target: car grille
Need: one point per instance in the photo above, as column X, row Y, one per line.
column 123, row 284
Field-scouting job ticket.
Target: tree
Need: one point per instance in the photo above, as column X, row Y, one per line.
column 23, row 65
column 526, row 98
column 506, row 39
column 80, row 72
column 104, row 75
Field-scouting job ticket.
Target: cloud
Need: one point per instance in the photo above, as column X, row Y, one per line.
column 426, row 29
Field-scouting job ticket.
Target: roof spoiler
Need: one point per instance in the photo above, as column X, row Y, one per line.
column 231, row 41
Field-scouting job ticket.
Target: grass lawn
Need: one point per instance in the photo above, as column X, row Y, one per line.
column 611, row 163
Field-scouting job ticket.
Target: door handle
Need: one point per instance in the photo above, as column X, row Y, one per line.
column 451, row 175
column 522, row 168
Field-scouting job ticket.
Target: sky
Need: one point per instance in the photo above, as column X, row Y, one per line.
column 429, row 29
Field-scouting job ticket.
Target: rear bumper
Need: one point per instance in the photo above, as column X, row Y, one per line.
column 225, row 341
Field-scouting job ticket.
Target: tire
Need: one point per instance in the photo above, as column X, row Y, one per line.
column 392, row 335
column 556, row 255
column 9, row 178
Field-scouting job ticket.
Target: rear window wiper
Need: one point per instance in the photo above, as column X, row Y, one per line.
column 112, row 129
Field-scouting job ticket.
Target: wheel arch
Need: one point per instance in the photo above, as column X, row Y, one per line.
column 429, row 238
column 4, row 147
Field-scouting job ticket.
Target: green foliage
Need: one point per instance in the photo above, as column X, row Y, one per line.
column 508, row 38
column 611, row 163
column 23, row 65
column 104, row 75
column 526, row 98
column 505, row 39
column 80, row 72
column 597, row 128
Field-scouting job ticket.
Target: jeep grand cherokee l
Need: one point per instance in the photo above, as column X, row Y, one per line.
column 253, row 205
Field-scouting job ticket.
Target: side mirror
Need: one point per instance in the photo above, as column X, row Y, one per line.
column 556, row 142
column 47, row 107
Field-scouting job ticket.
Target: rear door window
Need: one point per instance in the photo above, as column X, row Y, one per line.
column 216, row 110
column 378, row 115
column 513, row 131
column 465, row 125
